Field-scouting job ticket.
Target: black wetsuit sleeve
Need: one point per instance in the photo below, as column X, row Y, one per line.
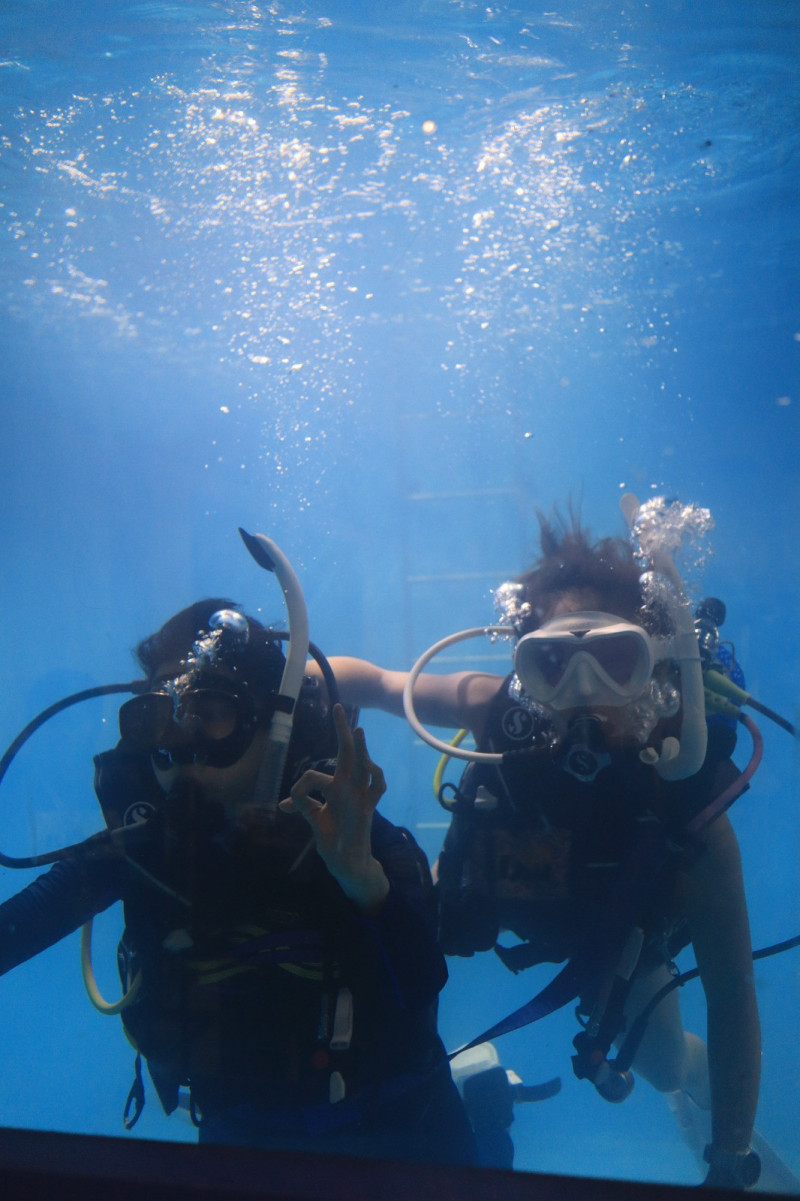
column 399, row 947
column 53, row 906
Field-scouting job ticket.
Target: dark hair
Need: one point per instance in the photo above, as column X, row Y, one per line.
column 260, row 661
column 571, row 562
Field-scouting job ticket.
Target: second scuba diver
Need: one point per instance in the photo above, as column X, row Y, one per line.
column 279, row 955
column 590, row 823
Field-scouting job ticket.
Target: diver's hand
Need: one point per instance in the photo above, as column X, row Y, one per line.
column 341, row 825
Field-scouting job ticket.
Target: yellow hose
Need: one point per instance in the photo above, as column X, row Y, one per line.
column 443, row 762
column 107, row 1007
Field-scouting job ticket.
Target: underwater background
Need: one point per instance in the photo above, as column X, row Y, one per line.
column 379, row 283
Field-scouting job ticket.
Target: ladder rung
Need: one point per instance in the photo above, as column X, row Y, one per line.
column 463, row 493
column 458, row 576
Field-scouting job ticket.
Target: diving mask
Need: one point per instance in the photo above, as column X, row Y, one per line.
column 197, row 716
column 210, row 725
column 585, row 660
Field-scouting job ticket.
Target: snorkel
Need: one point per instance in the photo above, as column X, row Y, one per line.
column 679, row 757
column 268, row 556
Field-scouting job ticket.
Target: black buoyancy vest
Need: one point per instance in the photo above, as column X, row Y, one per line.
column 236, row 951
column 535, row 851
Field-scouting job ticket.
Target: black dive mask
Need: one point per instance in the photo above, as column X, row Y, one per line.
column 213, row 726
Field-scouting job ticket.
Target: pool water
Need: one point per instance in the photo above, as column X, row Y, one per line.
column 380, row 285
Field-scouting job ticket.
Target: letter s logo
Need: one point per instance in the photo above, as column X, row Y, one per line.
column 517, row 724
column 142, row 811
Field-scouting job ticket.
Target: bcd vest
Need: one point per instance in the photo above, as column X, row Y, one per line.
column 536, row 852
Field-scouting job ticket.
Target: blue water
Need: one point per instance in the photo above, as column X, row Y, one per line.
column 379, row 286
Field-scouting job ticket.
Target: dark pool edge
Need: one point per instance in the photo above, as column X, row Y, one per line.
column 38, row 1164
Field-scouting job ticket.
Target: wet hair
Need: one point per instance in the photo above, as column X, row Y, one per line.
column 260, row 661
column 572, row 563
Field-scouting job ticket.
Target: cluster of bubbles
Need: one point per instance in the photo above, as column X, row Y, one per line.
column 666, row 525
column 301, row 211
column 663, row 529
column 661, row 699
column 520, row 697
column 510, row 606
column 666, row 530
column 228, row 631
column 293, row 203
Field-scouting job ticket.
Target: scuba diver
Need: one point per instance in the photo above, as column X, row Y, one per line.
column 590, row 820
column 279, row 960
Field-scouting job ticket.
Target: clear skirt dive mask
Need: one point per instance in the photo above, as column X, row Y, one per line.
column 585, row 660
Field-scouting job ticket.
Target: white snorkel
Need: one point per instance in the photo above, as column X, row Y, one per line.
column 272, row 559
column 682, row 757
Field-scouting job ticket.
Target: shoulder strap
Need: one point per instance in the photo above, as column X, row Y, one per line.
column 125, row 786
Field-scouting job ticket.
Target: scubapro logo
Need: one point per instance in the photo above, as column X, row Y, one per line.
column 140, row 812
column 582, row 763
column 517, row 724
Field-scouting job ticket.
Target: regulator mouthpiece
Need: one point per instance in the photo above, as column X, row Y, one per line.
column 584, row 752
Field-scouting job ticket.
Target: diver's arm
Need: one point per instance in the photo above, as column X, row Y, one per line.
column 53, row 906
column 378, row 869
column 456, row 700
column 399, row 947
column 395, row 952
column 715, row 906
